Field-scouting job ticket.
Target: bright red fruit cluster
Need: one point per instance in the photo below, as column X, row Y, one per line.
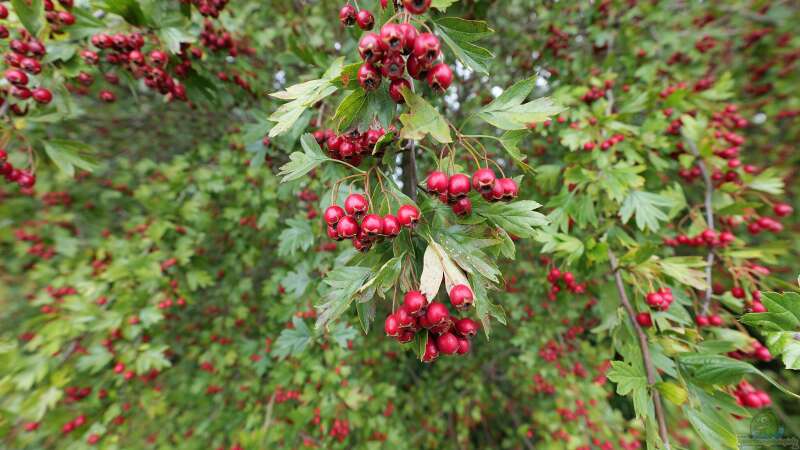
column 660, row 299
column 350, row 147
column 446, row 335
column 23, row 60
column 23, row 178
column 453, row 190
column 749, row 397
column 398, row 49
column 758, row 352
column 353, row 222
column 555, row 276
column 208, row 8
column 707, row 237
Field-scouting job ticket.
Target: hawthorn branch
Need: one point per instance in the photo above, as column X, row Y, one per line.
column 710, row 221
column 410, row 171
column 649, row 367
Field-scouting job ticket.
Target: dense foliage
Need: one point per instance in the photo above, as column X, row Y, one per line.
column 399, row 224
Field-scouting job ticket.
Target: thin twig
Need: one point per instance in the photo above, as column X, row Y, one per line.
column 710, row 220
column 645, row 349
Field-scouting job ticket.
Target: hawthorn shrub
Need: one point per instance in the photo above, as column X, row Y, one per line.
column 398, row 224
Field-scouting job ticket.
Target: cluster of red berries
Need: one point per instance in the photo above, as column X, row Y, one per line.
column 555, row 276
column 707, row 237
column 351, row 147
column 125, row 50
column 73, row 424
column 596, row 93
column 761, row 224
column 711, row 320
column 605, row 145
column 759, row 352
column 23, row 178
column 748, row 396
column 207, row 8
column 446, row 335
column 219, row 39
column 284, row 395
column 24, row 59
column 660, row 299
column 340, row 429
column 453, row 189
column 399, row 49
column 344, row 223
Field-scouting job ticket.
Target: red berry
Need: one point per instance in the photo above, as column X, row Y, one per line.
column 440, row 77
column 437, row 182
column 463, row 346
column 404, row 318
column 347, row 15
column 408, row 215
column 437, row 314
column 372, row 225
column 417, row 69
column 391, row 326
column 782, row 209
column 107, row 96
column 93, row 439
column 369, row 77
column 3, row 12
column 410, row 34
column 426, row 49
column 467, row 327
column 356, row 204
column 644, row 319
column 714, row 320
column 42, row 95
column 415, row 302
column 396, row 90
column 31, row 65
column 463, row 207
column 483, row 180
column 365, row 20
column 458, row 186
column 405, row 336
column 393, row 38
column 16, row 77
column 66, row 18
column 461, row 296
column 332, row 234
column 347, row 227
column 394, row 66
column 431, row 352
column 391, row 226
column 417, row 6
column 370, row 48
column 738, row 292
column 447, row 343
column 701, row 321
column 510, row 188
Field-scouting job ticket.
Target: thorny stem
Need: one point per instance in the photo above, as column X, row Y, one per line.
column 710, row 221
column 645, row 349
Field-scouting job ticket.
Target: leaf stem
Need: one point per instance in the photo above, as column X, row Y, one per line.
column 709, row 220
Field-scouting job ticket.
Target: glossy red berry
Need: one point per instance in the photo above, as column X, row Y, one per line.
column 158, row 58
column 16, row 77
column 417, row 69
column 3, row 12
column 431, row 351
column 369, row 77
column 415, row 302
column 437, row 182
column 66, row 18
column 333, row 214
column 355, row 204
column 370, row 48
column 405, row 336
column 714, row 320
column 461, row 296
column 426, row 49
column 331, row 232
column 372, row 225
column 463, row 207
column 393, row 38
column 701, row 321
column 782, row 209
column 347, row 227
column 463, row 346
column 42, row 95
column 483, row 180
column 107, row 96
column 467, row 327
column 644, row 320
column 391, row 325
column 30, row 65
column 408, row 215
column 458, row 186
column 738, row 292
column 437, row 313
column 394, row 66
column 410, row 34
column 391, row 226
column 510, row 188
column 417, row 6
column 365, row 20
column 447, row 344
column 396, row 90
column 440, row 78
column 347, row 15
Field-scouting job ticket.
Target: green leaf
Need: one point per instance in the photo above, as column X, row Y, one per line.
column 460, row 35
column 768, row 181
column 342, row 333
column 508, row 112
column 302, row 96
column 780, row 325
column 128, row 9
column 684, row 269
column 69, row 154
column 672, row 392
column 350, row 108
column 442, row 5
column 719, row 370
column 423, row 119
column 151, row 358
column 293, row 341
column 519, row 218
column 297, row 236
column 646, row 207
column 173, row 37
column 301, row 163
column 631, row 380
column 484, row 307
column 30, row 13
column 344, row 285
column 510, row 141
column 712, row 427
column 360, row 108
column 96, row 359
